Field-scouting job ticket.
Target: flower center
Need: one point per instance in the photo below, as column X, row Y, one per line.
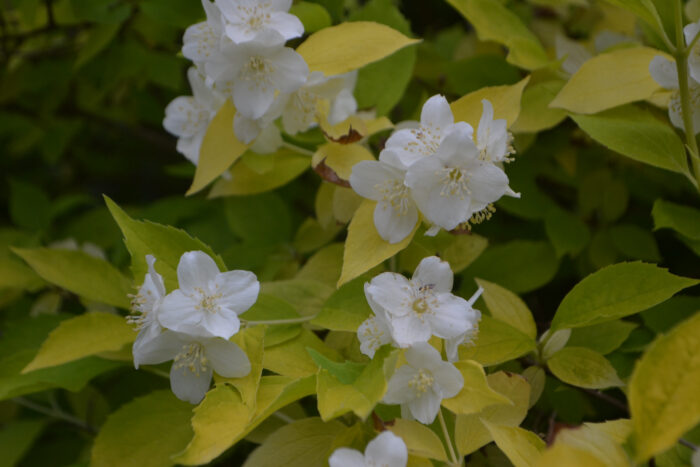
column 256, row 16
column 454, row 182
column 208, row 302
column 395, row 194
column 257, row 71
column 427, row 140
column 421, row 382
column 373, row 334
column 192, row 358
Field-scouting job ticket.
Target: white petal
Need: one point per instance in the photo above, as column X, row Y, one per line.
column 182, row 117
column 246, row 129
column 188, row 385
column 343, row 106
column 346, row 457
column 287, row 25
column 394, row 225
column 178, row 312
column 423, row 355
column 425, row 408
column 487, row 183
column 436, row 113
column 239, row 289
column 409, row 330
column 189, row 147
column 227, row 358
column 690, row 31
column 451, row 316
column 664, row 72
column 406, row 146
column 574, row 53
column 372, row 334
column 452, row 348
column 195, row 270
column 368, row 176
column 289, row 70
column 435, row 272
column 398, row 391
column 392, row 292
column 223, row 323
column 458, row 148
column 449, row 378
column 388, row 450
column 252, row 97
column 152, row 351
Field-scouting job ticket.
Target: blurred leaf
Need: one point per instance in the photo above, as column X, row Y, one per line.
column 178, row 13
column 615, row 292
column 420, row 440
column 96, row 40
column 134, row 425
column 101, row 11
column 584, row 368
column 568, row 233
column 497, row 342
column 16, row 438
column 250, row 217
column 30, row 207
column 313, row 16
column 473, row 73
column 663, row 390
column 346, row 309
column 664, row 316
column 602, row 338
column 505, row 101
column 635, row 242
column 291, row 358
column 523, row 447
column 535, row 113
column 505, row 306
column 476, row 394
column 683, row 219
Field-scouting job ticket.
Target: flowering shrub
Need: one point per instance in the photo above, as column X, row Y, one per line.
column 384, row 233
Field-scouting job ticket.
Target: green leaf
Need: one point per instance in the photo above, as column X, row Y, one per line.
column 16, row 438
column 637, row 134
column 644, row 9
column 346, row 309
column 494, row 22
column 473, row 73
column 505, row 100
column 615, row 292
column 307, row 296
column 602, row 338
column 520, row 266
column 567, row 232
column 420, row 440
column 497, row 342
column 349, row 46
column 683, row 219
column 97, row 40
column 29, row 206
column 346, row 372
column 82, row 274
column 635, row 242
column 252, row 342
column 663, row 395
column 146, row 431
column 664, row 316
column 220, row 148
column 610, row 80
column 535, row 113
column 286, row 166
column 505, row 306
column 166, row 243
column 291, row 358
column 583, row 367
column 523, row 447
column 476, row 393
column 312, row 15
column 82, row 336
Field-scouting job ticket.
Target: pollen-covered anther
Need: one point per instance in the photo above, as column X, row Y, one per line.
column 421, row 381
column 454, row 182
column 192, row 358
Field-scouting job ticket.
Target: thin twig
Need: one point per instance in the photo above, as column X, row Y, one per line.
column 688, row 444
column 55, row 413
column 609, row 399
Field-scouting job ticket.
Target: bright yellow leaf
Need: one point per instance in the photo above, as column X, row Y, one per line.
column 505, row 100
column 420, row 440
column 561, row 455
column 506, row 306
column 522, row 447
column 476, row 393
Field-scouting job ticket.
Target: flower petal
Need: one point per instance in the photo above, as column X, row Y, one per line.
column 388, row 450
column 437, row 113
column 227, row 358
column 394, row 225
column 449, row 378
column 346, row 457
column 289, row 26
column 423, row 355
column 392, row 292
column 398, row 391
column 409, row 330
column 178, row 312
column 487, row 183
column 195, row 270
column 289, row 70
column 435, row 272
column 664, row 72
column 222, row 323
column 188, row 385
column 425, row 408
column 150, row 350
column 451, row 316
column 368, row 176
column 239, row 290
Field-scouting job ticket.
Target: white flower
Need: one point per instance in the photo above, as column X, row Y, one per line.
column 300, row 109
column 374, row 332
column 246, row 19
column 188, row 117
column 147, row 303
column 396, row 214
column 419, row 308
column 422, row 384
column 691, row 30
column 454, row 183
column 452, row 345
column 202, row 41
column 268, row 140
column 195, row 359
column 257, row 71
column 665, row 73
column 250, row 129
column 385, row 450
column 208, row 301
column 492, row 137
column 436, row 120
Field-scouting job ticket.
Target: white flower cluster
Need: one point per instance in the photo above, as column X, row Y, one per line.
column 407, row 313
column 239, row 53
column 385, row 450
column 665, row 73
column 437, row 169
column 192, row 325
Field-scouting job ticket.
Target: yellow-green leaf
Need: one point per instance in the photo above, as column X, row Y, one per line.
column 564, row 455
column 251, row 340
column 341, row 157
column 505, row 100
column 610, row 80
column 220, row 148
column 522, row 447
column 584, row 368
column 420, row 440
column 494, row 22
column 349, row 46
column 602, row 440
column 146, row 431
column 287, row 165
column 535, row 113
column 615, row 292
column 506, row 306
column 74, row 270
column 80, row 337
column 476, row 393
column 291, row 358
column 497, row 342
column 16, row 437
column 304, row 443
column 364, row 248
column 663, row 390
column 683, row 219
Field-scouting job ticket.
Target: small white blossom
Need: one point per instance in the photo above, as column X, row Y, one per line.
column 436, row 120
column 257, row 71
column 422, row 384
column 147, row 304
column 385, row 450
column 248, row 130
column 492, row 137
column 208, row 301
column 665, row 73
column 423, row 306
column 202, row 41
column 194, row 361
column 188, row 117
column 468, row 337
column 455, row 183
column 396, row 213
column 374, row 332
column 247, row 19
